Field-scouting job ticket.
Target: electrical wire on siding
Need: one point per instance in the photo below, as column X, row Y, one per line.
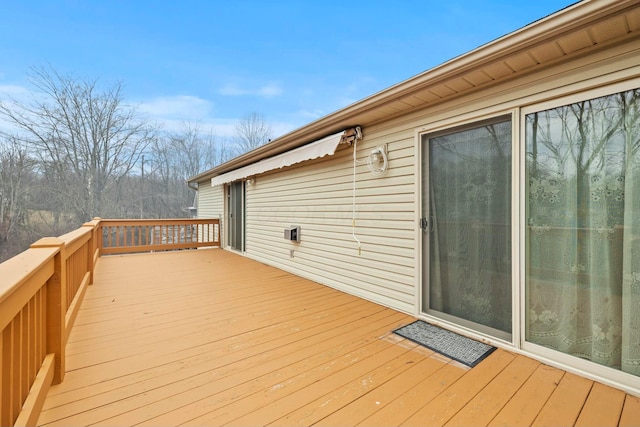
column 377, row 162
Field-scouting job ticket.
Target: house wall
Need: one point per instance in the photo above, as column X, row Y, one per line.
column 317, row 195
column 211, row 204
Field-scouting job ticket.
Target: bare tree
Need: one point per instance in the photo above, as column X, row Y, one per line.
column 194, row 151
column 85, row 136
column 223, row 149
column 170, row 161
column 251, row 132
column 16, row 172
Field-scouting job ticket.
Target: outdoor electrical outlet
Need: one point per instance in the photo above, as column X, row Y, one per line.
column 290, row 253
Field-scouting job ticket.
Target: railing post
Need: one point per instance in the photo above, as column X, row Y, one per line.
column 56, row 311
column 99, row 242
column 92, row 245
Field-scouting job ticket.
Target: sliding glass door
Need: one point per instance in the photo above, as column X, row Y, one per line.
column 467, row 226
column 236, row 207
column 581, row 229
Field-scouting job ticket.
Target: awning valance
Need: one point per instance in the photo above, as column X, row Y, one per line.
column 320, row 148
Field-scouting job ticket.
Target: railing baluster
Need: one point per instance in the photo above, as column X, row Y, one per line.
column 4, row 396
column 8, row 356
column 159, row 235
column 17, row 360
column 24, row 351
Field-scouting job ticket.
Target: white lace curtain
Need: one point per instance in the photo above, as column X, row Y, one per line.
column 583, row 235
column 470, row 210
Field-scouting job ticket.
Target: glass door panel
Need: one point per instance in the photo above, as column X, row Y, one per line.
column 236, row 215
column 583, row 230
column 467, row 226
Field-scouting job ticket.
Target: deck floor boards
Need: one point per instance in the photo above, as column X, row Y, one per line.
column 209, row 337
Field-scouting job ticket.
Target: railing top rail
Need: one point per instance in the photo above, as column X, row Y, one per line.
column 19, row 269
column 77, row 234
column 118, row 236
column 107, row 222
column 93, row 223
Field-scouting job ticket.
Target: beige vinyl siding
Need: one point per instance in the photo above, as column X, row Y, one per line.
column 211, row 204
column 318, row 196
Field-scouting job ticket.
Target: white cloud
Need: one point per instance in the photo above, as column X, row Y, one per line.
column 218, row 127
column 179, row 107
column 269, row 90
column 13, row 90
column 171, row 112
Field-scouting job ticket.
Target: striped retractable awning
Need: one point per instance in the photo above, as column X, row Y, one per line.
column 320, row 148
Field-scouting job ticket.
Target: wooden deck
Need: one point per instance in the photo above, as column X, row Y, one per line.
column 209, row 337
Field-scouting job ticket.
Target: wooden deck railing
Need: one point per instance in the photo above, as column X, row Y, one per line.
column 41, row 290
column 144, row 235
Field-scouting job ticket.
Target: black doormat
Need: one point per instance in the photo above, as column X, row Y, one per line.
column 464, row 350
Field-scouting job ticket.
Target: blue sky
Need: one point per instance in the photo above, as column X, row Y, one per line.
column 214, row 62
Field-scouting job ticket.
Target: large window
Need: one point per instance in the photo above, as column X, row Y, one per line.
column 583, row 229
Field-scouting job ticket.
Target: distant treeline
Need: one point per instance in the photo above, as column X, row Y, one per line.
column 75, row 151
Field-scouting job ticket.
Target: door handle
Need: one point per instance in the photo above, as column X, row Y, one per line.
column 424, row 224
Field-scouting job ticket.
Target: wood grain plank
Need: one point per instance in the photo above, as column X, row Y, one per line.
column 348, row 370
column 485, row 405
column 203, row 361
column 145, row 335
column 523, row 408
column 238, row 393
column 602, row 408
column 565, row 404
column 180, row 348
column 454, row 398
column 358, row 410
column 143, row 381
column 631, row 413
column 224, row 367
column 339, row 396
column 396, row 412
column 185, row 333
